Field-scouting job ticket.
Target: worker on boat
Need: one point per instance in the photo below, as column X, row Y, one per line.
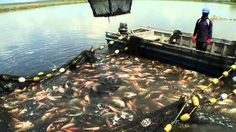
column 203, row 31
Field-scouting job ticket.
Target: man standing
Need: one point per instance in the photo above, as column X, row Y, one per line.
column 203, row 31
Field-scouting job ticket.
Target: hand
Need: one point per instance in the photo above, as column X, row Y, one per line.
column 208, row 41
column 193, row 39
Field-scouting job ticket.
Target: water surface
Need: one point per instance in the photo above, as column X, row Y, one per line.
column 36, row 40
column 17, row 1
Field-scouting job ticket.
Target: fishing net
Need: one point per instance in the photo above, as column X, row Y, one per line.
column 9, row 83
column 106, row 8
column 154, row 121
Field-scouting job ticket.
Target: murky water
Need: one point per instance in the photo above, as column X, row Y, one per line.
column 93, row 98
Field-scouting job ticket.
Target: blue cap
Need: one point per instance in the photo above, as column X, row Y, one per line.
column 205, row 10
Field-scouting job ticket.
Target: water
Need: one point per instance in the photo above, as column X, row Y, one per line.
column 36, row 40
column 17, row 1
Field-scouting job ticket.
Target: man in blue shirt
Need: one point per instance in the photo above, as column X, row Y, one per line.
column 203, row 31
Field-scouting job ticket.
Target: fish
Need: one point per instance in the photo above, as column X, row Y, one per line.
column 52, row 110
column 122, row 68
column 117, row 101
column 58, row 89
column 109, row 123
column 161, row 96
column 22, row 111
column 47, row 116
column 152, row 93
column 130, row 94
column 163, row 88
column 160, row 104
column 24, row 126
column 162, row 77
column 72, row 129
column 51, row 127
column 87, row 98
column 22, row 96
column 62, row 111
column 53, row 98
column 14, row 111
column 131, row 105
column 232, row 111
column 113, row 109
column 92, row 129
column 167, row 71
column 61, row 120
column 67, row 126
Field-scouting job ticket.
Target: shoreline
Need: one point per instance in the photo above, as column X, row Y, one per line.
column 39, row 4
column 32, row 5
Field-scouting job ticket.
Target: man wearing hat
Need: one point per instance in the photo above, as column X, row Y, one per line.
column 203, row 31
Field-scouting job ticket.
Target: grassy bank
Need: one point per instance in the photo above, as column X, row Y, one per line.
column 32, row 5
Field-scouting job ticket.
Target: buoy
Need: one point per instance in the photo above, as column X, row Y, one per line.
column 117, row 51
column 233, row 67
column 195, row 101
column 215, row 81
column 126, row 48
column 202, row 87
column 5, row 77
column 185, row 117
column 128, row 38
column 234, row 79
column 213, row 100
column 224, row 96
column 226, row 73
column 121, row 37
column 92, row 50
column 102, row 47
column 111, row 42
column 74, row 62
column 62, row 70
column 36, row 78
column 49, row 75
column 21, row 79
column 168, row 128
column 40, row 73
column 234, row 91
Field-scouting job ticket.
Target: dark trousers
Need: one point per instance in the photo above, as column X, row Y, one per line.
column 201, row 46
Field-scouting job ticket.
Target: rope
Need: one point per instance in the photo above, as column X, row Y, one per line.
column 195, row 100
column 41, row 76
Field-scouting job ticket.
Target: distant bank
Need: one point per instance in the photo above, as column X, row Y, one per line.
column 37, row 4
column 45, row 3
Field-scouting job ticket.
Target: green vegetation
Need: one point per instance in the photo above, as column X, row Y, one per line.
column 32, row 5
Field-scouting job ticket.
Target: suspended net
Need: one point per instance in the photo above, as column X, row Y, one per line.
column 9, row 83
column 106, row 8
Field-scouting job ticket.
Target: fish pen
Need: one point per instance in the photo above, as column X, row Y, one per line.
column 100, row 91
column 137, row 82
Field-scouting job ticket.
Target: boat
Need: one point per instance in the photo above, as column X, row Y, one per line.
column 175, row 48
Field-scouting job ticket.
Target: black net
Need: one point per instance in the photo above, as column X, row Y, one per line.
column 8, row 83
column 106, row 8
column 154, row 121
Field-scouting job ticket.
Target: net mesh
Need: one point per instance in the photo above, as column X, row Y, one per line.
column 106, row 8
